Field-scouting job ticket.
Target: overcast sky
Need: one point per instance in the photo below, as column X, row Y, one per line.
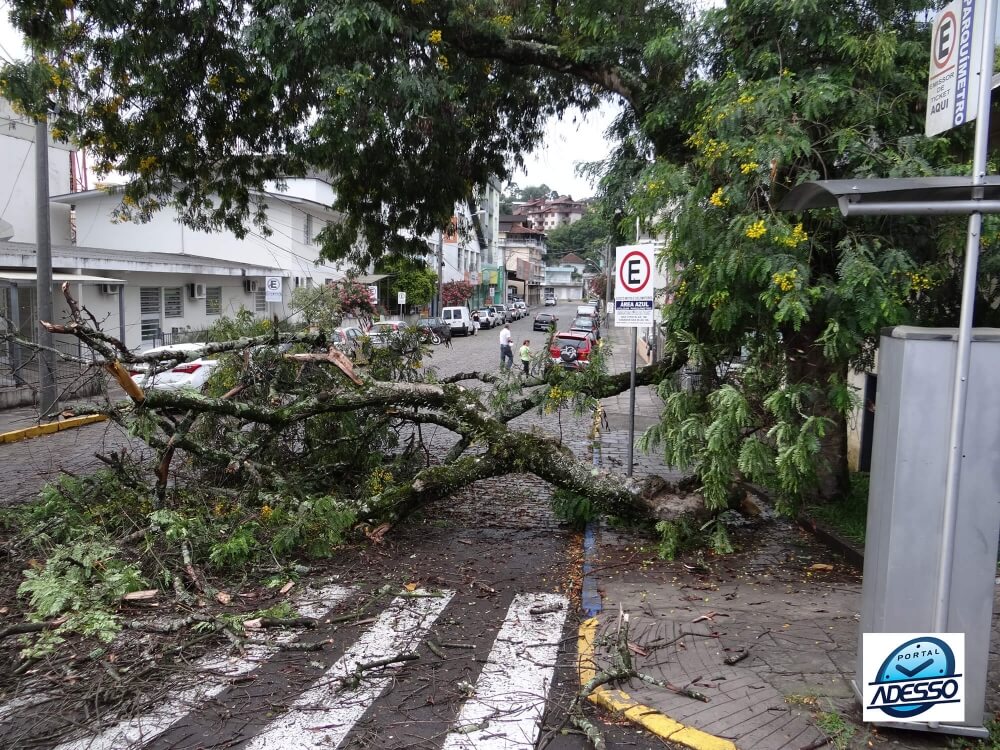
column 573, row 139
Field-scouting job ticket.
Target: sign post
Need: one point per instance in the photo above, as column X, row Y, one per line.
column 633, row 309
column 401, row 299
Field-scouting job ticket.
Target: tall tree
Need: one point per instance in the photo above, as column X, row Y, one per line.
column 409, row 105
column 776, row 307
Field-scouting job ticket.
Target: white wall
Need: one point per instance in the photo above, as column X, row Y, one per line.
column 17, row 184
column 194, row 315
column 285, row 248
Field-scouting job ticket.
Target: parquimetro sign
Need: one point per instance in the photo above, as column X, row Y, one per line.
column 634, row 266
column 952, row 83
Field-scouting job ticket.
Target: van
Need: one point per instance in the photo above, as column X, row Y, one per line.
column 460, row 320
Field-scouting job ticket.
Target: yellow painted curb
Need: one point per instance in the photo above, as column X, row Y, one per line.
column 50, row 427
column 648, row 718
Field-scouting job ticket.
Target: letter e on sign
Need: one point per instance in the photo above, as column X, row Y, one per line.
column 635, row 272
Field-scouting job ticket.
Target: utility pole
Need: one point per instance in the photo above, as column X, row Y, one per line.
column 440, row 270
column 43, row 275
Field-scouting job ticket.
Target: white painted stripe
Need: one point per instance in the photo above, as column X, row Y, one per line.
column 220, row 669
column 324, row 714
column 505, row 712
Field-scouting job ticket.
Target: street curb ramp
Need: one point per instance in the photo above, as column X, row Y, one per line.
column 618, row 701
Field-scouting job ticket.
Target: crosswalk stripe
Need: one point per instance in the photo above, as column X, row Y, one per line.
column 323, row 715
column 137, row 731
column 505, row 711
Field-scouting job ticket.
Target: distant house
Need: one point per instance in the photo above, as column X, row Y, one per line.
column 548, row 213
column 523, row 249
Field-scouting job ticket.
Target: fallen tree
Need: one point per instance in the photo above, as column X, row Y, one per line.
column 292, row 448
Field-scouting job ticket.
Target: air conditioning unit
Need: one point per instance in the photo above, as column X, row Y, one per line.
column 196, row 291
column 250, row 285
column 109, row 288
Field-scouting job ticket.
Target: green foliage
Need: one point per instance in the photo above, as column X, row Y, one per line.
column 574, row 509
column 318, row 306
column 849, row 516
column 675, row 537
column 316, row 525
column 411, row 276
column 836, row 728
column 83, row 581
column 69, row 508
column 587, row 237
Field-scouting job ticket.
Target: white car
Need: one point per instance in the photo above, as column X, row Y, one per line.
column 550, row 301
column 192, row 374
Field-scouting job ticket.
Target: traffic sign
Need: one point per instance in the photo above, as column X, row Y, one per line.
column 952, row 89
column 400, row 298
column 634, row 290
column 272, row 289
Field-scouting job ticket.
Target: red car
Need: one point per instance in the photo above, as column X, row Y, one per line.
column 571, row 348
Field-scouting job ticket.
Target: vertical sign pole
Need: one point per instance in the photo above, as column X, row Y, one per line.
column 961, row 387
column 631, row 403
column 43, row 280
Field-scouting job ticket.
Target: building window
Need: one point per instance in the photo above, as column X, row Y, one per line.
column 308, row 235
column 213, row 300
column 173, row 302
column 260, row 301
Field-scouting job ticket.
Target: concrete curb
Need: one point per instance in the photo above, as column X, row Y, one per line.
column 621, row 702
column 49, row 427
column 839, row 543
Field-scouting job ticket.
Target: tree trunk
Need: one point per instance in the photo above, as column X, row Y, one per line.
column 808, row 365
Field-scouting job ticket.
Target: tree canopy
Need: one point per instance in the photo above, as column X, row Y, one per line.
column 588, row 238
column 409, row 106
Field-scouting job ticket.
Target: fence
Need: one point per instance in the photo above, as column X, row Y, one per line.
column 19, row 365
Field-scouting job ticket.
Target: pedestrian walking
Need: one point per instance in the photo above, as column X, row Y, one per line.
column 525, row 354
column 506, row 349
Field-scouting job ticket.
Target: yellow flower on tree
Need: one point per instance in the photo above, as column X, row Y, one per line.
column 756, row 230
column 718, row 198
column 434, row 37
column 785, row 281
column 796, row 238
column 748, row 166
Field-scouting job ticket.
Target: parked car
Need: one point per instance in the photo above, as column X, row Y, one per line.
column 487, row 317
column 586, row 324
column 460, row 320
column 383, row 330
column 550, row 301
column 501, row 314
column 347, row 340
column 436, row 329
column 522, row 308
column 544, row 321
column 193, row 374
column 571, row 349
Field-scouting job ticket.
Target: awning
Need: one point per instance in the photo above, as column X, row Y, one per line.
column 910, row 195
column 371, row 278
column 29, row 277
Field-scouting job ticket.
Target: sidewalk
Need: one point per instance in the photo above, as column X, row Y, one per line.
column 797, row 626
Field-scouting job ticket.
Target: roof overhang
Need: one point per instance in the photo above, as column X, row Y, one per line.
column 897, row 196
column 25, row 278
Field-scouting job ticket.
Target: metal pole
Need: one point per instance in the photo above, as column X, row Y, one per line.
column 440, row 271
column 43, row 278
column 942, row 600
column 631, row 403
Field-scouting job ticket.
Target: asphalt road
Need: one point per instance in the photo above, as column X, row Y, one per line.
column 491, row 618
